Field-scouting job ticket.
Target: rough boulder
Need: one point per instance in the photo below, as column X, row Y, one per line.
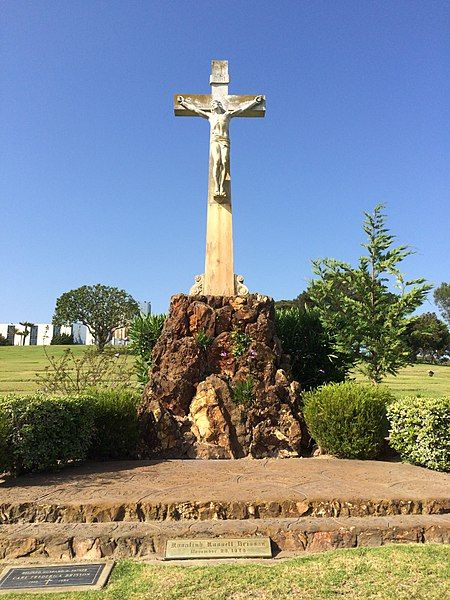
column 217, row 387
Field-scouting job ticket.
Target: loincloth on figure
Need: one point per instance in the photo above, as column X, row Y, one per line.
column 220, row 139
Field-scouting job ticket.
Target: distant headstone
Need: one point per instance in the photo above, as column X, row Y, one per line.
column 258, row 547
column 83, row 577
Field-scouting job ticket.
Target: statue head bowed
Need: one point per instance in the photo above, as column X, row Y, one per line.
column 217, row 106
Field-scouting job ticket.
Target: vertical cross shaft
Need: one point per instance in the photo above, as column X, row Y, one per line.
column 219, row 108
column 219, row 267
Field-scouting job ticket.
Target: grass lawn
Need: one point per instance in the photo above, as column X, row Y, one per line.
column 19, row 365
column 390, row 572
column 415, row 381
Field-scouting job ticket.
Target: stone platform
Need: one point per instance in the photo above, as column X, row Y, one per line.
column 130, row 509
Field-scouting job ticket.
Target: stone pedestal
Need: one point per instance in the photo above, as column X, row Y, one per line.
column 217, row 388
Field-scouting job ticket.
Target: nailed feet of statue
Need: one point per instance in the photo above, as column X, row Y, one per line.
column 219, row 194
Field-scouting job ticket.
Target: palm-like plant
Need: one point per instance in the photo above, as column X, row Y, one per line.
column 144, row 332
column 26, row 332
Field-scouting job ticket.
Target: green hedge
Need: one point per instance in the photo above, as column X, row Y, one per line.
column 62, row 339
column 40, row 432
column 348, row 419
column 420, row 431
column 116, row 427
column 313, row 360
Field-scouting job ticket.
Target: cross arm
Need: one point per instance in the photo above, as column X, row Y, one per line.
column 247, row 106
column 200, row 101
column 233, row 103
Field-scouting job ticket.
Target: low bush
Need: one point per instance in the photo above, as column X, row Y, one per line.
column 203, row 340
column 62, row 339
column 117, row 351
column 242, row 393
column 303, row 337
column 116, row 427
column 42, row 432
column 348, row 419
column 5, row 447
column 420, row 431
column 76, row 374
column 240, row 342
column 4, row 341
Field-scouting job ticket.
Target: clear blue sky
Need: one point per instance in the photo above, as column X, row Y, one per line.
column 100, row 183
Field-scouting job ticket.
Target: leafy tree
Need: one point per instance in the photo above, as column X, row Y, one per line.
column 428, row 338
column 301, row 301
column 442, row 300
column 367, row 319
column 144, row 332
column 101, row 308
column 284, row 304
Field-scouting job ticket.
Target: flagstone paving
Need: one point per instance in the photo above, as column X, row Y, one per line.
column 244, row 480
column 224, row 489
column 130, row 509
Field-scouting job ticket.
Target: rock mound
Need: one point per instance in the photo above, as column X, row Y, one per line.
column 217, row 386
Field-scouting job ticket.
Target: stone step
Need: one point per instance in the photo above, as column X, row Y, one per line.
column 103, row 511
column 178, row 490
column 92, row 541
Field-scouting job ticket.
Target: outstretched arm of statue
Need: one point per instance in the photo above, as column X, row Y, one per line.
column 191, row 106
column 245, row 106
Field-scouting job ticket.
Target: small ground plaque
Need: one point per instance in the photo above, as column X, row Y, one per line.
column 55, row 578
column 219, row 548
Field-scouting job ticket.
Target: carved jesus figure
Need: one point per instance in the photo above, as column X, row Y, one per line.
column 219, row 120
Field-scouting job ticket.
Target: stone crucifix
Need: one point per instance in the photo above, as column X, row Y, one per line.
column 219, row 108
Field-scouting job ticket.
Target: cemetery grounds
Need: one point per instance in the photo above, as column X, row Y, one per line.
column 19, row 365
column 402, row 572
column 397, row 571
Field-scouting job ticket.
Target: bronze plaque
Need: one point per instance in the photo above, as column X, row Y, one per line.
column 55, row 578
column 256, row 547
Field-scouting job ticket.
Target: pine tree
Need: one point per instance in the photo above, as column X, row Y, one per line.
column 367, row 309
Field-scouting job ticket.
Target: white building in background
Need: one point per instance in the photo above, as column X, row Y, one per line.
column 41, row 334
column 145, row 307
column 82, row 335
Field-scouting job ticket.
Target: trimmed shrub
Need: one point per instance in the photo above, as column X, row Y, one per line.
column 4, row 341
column 116, row 426
column 420, row 431
column 62, row 339
column 348, row 419
column 302, row 336
column 5, row 448
column 42, row 432
column 117, row 351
